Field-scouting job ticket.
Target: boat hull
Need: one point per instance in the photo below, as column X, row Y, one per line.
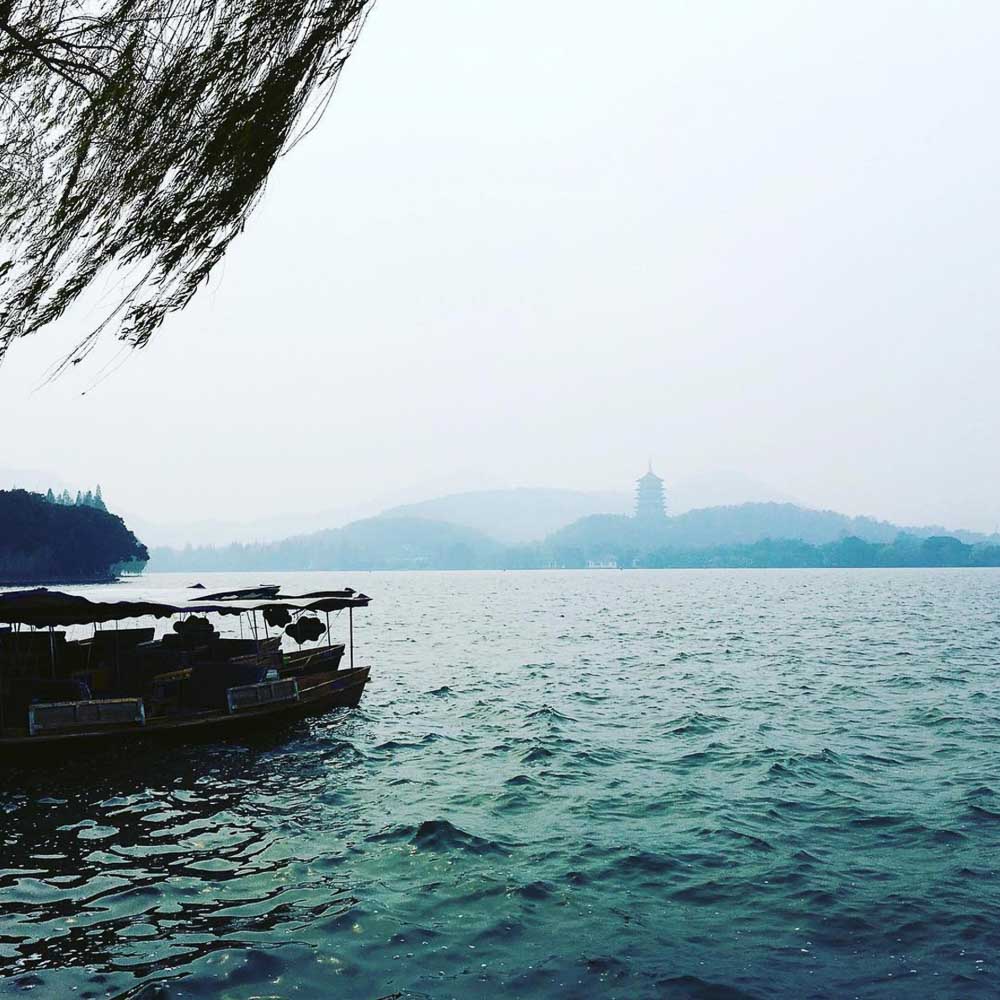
column 317, row 694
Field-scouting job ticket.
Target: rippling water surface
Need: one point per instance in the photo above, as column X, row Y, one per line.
column 608, row 784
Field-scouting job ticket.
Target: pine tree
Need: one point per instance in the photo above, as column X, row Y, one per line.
column 65, row 498
column 98, row 499
column 50, row 497
column 79, row 498
column 88, row 499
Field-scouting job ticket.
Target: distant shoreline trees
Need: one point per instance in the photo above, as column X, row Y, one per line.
column 414, row 543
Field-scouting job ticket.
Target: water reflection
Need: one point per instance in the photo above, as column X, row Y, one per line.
column 151, row 859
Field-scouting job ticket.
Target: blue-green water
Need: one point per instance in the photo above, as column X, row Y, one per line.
column 609, row 784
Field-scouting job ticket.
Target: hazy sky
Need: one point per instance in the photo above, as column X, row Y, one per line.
column 535, row 243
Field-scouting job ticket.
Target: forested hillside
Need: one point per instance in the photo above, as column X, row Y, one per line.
column 43, row 541
column 779, row 535
column 743, row 524
column 373, row 543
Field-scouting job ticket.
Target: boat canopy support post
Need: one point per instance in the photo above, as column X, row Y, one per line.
column 350, row 627
column 256, row 635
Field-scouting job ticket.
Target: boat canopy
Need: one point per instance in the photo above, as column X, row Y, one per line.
column 42, row 607
column 265, row 590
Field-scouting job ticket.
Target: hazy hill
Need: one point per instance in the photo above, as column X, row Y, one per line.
column 42, row 542
column 222, row 531
column 395, row 541
column 374, row 543
column 520, row 516
column 515, row 516
column 603, row 536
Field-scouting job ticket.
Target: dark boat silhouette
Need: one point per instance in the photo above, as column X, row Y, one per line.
column 122, row 684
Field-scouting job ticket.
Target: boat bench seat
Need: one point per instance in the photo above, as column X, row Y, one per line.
column 63, row 716
column 254, row 695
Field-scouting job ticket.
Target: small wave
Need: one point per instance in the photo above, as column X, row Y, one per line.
column 820, row 899
column 980, row 791
column 713, row 753
column 599, row 757
column 822, row 764
column 438, row 835
column 744, row 839
column 935, row 717
column 606, row 966
column 874, row 758
column 695, row 724
column 429, row 738
column 879, row 822
column 539, row 889
column 984, row 814
column 693, row 988
column 547, row 712
column 588, row 697
column 703, row 893
column 398, row 745
column 807, row 858
column 645, row 862
column 946, row 836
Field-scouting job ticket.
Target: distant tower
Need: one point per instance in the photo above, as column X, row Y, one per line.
column 649, row 500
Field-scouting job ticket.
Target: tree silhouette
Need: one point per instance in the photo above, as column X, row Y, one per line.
column 136, row 136
column 42, row 542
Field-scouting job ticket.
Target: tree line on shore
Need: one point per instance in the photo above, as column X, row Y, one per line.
column 415, row 543
column 847, row 553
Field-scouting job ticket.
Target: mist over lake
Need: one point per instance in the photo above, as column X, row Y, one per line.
column 619, row 784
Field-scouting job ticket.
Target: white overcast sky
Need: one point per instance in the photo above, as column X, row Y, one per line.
column 534, row 243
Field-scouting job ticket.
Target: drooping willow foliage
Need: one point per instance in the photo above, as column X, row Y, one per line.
column 137, row 135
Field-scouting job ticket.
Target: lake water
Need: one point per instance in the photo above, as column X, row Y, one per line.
column 568, row 784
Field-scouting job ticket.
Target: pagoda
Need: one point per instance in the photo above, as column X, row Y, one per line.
column 650, row 503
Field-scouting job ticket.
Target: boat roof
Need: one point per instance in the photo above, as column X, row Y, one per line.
column 265, row 590
column 42, row 607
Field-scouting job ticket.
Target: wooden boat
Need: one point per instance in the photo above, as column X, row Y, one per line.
column 124, row 684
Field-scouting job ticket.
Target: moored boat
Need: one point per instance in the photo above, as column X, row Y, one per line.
column 120, row 684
